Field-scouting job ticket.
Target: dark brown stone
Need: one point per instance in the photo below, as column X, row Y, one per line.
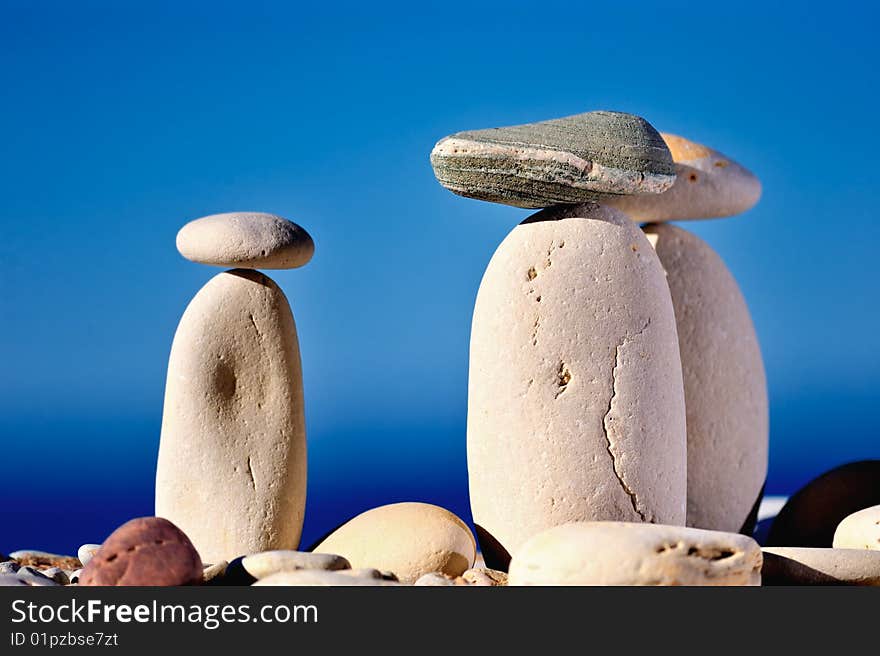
column 494, row 553
column 147, row 551
column 810, row 517
column 748, row 527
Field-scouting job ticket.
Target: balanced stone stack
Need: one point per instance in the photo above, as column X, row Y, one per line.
column 614, row 371
column 232, row 457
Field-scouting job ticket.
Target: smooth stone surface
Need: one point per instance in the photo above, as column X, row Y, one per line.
column 34, row 577
column 861, row 530
column 708, row 184
column 621, row 553
column 86, row 551
column 45, row 559
column 575, row 395
column 810, row 516
column 144, row 551
column 56, row 574
column 562, row 161
column 409, row 539
column 369, row 572
column 215, row 573
column 322, row 577
column 818, row 566
column 10, row 580
column 439, row 579
column 485, row 576
column 246, row 240
column 233, row 426
column 263, row 564
column 9, row 567
column 725, row 388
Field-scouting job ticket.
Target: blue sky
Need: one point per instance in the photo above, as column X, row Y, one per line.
column 122, row 121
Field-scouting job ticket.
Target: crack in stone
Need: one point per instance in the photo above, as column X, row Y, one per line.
column 254, row 323
column 250, row 473
column 607, row 418
column 563, row 378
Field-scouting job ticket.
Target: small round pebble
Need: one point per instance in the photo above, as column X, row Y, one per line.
column 246, row 240
column 147, row 551
column 860, row 530
column 85, row 553
column 485, row 576
column 409, row 539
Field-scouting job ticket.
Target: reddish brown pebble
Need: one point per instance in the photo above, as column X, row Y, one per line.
column 147, row 551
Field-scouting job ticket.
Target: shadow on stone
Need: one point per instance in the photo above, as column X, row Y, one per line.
column 779, row 570
column 748, row 527
column 494, row 553
column 236, row 574
column 810, row 517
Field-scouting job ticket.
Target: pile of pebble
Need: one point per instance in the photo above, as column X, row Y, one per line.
column 617, row 405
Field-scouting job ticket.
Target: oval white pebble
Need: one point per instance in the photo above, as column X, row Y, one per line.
column 623, row 553
column 408, row 539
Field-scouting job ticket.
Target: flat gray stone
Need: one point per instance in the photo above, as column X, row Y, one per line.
column 56, row 574
column 261, row 565
column 9, row 567
column 576, row 159
column 34, row 577
column 10, row 580
column 246, row 240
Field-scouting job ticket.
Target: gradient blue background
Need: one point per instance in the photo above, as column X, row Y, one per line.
column 119, row 122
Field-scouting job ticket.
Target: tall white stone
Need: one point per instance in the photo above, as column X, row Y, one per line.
column 232, row 458
column 575, row 399
column 724, row 384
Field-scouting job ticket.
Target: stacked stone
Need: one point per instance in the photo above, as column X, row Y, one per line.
column 614, row 371
column 231, row 471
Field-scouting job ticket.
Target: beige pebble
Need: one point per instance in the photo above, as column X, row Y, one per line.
column 86, row 552
column 621, row 553
column 820, row 566
column 370, row 572
column 575, row 395
column 409, row 539
column 322, row 577
column 263, row 564
column 439, row 579
column 708, row 184
column 232, row 456
column 485, row 576
column 215, row 571
column 56, row 574
column 861, row 530
column 246, row 240
column 725, row 388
